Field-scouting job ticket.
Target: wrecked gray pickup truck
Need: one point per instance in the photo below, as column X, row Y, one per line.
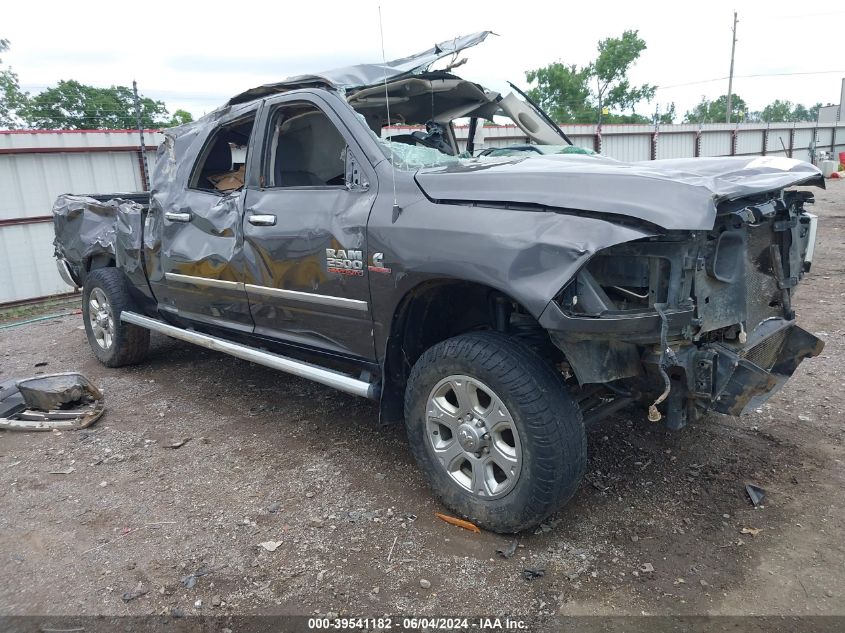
column 496, row 303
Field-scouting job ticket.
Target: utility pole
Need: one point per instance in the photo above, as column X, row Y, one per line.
column 731, row 76
column 141, row 133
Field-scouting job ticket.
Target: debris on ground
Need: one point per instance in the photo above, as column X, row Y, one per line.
column 66, row 401
column 459, row 522
column 647, row 568
column 533, row 573
column 755, row 493
column 64, row 471
column 191, row 579
column 508, row 550
column 129, row 596
column 425, row 584
column 751, row 531
column 270, row 546
column 178, row 443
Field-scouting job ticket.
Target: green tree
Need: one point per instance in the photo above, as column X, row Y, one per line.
column 75, row 106
column 562, row 91
column 800, row 113
column 669, row 115
column 778, row 111
column 581, row 95
column 180, row 117
column 12, row 98
column 714, row 111
column 613, row 90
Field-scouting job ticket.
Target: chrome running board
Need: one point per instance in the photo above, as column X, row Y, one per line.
column 327, row 377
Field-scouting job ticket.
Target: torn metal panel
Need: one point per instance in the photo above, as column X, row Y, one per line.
column 432, row 96
column 65, row 401
column 84, row 227
column 204, row 243
column 362, row 75
column 87, row 227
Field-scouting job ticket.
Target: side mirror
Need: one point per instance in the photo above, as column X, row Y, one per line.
column 355, row 180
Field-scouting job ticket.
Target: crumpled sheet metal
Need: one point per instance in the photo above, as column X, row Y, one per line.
column 66, row 401
column 361, row 75
column 85, row 227
column 207, row 242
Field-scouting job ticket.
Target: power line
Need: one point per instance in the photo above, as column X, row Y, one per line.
column 752, row 76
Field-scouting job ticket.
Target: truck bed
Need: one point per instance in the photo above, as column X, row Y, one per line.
column 96, row 227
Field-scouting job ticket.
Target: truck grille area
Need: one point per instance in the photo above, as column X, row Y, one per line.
column 765, row 353
column 763, row 297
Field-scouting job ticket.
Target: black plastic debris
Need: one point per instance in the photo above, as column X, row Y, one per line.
column 66, row 401
column 533, row 573
column 755, row 493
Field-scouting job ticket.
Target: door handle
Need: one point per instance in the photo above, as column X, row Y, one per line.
column 177, row 217
column 262, row 220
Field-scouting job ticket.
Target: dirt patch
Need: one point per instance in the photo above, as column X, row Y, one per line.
column 661, row 525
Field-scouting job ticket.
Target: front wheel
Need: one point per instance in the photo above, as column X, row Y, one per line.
column 495, row 431
column 113, row 342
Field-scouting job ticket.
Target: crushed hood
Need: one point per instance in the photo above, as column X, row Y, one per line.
column 362, row 75
column 679, row 194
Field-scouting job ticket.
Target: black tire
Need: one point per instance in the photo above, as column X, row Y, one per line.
column 547, row 418
column 129, row 343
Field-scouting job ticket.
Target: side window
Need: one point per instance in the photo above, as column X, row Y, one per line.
column 305, row 149
column 221, row 164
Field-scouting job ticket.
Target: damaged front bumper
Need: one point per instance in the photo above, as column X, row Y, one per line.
column 736, row 381
column 66, row 401
column 731, row 378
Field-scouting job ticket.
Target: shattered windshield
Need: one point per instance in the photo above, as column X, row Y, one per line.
column 412, row 157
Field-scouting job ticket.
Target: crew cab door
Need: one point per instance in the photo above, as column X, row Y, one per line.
column 305, row 230
column 199, row 272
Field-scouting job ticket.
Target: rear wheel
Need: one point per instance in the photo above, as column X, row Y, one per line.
column 113, row 342
column 499, row 437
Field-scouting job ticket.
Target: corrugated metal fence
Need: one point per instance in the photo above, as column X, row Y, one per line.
column 37, row 166
column 647, row 142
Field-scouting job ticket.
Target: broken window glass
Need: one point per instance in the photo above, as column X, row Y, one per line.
column 222, row 163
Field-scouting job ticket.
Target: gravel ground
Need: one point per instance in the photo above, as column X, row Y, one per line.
column 661, row 524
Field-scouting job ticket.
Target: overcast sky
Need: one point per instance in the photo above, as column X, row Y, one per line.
column 195, row 55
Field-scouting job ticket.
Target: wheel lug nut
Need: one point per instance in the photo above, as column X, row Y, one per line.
column 486, row 436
